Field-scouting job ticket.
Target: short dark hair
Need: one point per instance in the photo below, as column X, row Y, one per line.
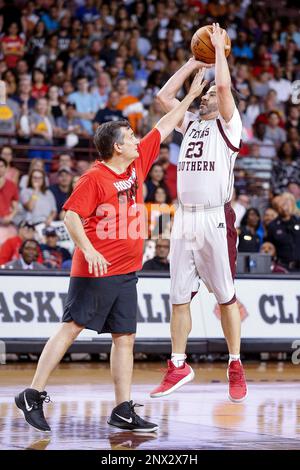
column 236, row 95
column 165, row 146
column 4, row 161
column 107, row 135
column 25, row 242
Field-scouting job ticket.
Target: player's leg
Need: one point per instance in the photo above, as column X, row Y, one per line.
column 121, row 365
column 216, row 266
column 231, row 324
column 121, row 322
column 31, row 400
column 181, row 325
column 53, row 352
column 184, row 281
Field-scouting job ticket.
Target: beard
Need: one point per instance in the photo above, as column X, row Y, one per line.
column 207, row 109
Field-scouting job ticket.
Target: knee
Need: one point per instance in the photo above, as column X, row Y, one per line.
column 74, row 328
column 125, row 341
column 181, row 309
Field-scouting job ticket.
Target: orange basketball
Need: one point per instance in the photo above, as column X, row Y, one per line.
column 202, row 47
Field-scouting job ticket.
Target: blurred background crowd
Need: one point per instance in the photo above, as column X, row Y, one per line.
column 72, row 65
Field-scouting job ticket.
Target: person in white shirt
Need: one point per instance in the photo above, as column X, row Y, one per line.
column 203, row 239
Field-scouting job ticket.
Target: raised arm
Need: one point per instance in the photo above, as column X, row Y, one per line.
column 167, row 95
column 168, row 123
column 225, row 99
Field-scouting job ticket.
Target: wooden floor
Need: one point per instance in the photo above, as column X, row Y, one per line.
column 199, row 416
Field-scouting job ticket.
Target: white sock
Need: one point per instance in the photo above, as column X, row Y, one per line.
column 178, row 359
column 234, row 357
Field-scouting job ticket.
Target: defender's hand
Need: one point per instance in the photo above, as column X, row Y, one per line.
column 198, row 84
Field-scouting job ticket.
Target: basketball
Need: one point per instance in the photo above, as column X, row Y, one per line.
column 202, row 47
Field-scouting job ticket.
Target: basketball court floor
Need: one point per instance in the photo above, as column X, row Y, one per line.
column 198, row 416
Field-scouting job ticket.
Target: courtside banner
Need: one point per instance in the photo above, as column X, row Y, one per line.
column 32, row 306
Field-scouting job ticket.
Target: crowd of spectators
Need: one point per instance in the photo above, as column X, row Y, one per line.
column 72, row 65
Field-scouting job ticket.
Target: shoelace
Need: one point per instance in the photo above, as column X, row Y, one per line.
column 132, row 406
column 236, row 376
column 43, row 398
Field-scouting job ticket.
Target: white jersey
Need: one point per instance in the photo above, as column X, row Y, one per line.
column 206, row 159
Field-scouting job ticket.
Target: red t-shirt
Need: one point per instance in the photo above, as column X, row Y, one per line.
column 103, row 198
column 13, row 46
column 8, row 193
column 171, row 180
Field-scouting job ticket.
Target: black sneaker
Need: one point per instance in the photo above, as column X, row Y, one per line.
column 31, row 401
column 124, row 417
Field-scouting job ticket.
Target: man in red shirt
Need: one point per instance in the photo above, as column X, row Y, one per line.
column 9, row 196
column 104, row 217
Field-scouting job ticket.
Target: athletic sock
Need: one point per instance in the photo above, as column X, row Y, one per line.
column 234, row 357
column 178, row 359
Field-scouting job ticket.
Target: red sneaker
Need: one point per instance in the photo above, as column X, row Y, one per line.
column 237, row 382
column 174, row 378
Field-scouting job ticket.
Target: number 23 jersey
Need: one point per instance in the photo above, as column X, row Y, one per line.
column 206, row 159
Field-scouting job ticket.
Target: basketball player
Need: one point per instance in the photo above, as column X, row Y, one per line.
column 203, row 240
column 102, row 292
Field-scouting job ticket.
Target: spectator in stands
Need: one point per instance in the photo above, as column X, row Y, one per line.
column 293, row 118
column 61, row 190
column 160, row 205
column 293, row 137
column 281, row 85
column 9, row 121
column 39, row 87
column 56, row 109
column 154, row 114
column 273, row 131
column 37, row 41
column 160, row 261
column 85, row 104
column 250, row 236
column 269, row 215
column 64, row 161
column 110, row 112
column 35, row 164
column 9, row 196
column 29, row 252
column 241, row 80
column 240, row 202
column 12, row 173
column 266, row 145
column 284, row 234
column 170, row 170
column 70, row 128
column 12, row 45
column 82, row 166
column 102, row 89
column 54, row 255
column 38, row 202
column 269, row 249
column 9, row 250
column 242, row 48
column 285, row 169
column 41, row 129
column 154, row 180
column 130, row 106
column 24, row 94
column 294, row 189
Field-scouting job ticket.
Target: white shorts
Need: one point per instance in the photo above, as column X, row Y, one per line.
column 203, row 246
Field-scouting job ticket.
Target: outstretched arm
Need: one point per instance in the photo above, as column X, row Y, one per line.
column 167, row 95
column 168, row 122
column 225, row 99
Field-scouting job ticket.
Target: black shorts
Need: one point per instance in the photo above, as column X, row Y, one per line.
column 104, row 304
